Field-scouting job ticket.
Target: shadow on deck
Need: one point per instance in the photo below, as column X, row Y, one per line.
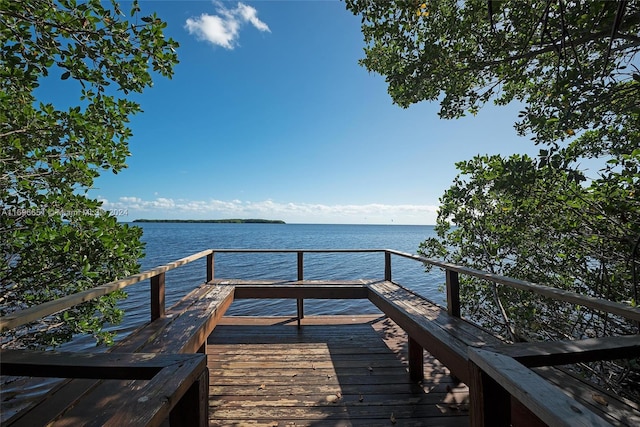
column 334, row 371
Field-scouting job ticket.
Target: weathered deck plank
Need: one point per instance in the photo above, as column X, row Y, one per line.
column 337, row 371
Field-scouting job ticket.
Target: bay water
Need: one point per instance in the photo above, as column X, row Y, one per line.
column 167, row 242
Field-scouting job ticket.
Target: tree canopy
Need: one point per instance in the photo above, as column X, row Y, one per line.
column 573, row 67
column 55, row 240
column 570, row 63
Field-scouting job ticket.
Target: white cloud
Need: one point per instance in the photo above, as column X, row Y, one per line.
column 223, row 29
column 250, row 14
column 130, row 199
column 374, row 213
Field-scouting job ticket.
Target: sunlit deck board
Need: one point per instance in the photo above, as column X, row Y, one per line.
column 335, row 371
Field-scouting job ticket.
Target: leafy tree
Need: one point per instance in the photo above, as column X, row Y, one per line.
column 573, row 66
column 55, row 240
column 522, row 220
column 568, row 62
column 516, row 218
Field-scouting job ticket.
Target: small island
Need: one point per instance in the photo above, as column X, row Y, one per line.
column 216, row 221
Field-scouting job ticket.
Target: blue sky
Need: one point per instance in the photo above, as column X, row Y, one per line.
column 270, row 116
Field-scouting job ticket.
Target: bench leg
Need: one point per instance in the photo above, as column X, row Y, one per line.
column 300, row 310
column 521, row 416
column 193, row 408
column 489, row 403
column 416, row 361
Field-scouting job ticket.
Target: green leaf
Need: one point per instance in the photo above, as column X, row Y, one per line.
column 52, row 156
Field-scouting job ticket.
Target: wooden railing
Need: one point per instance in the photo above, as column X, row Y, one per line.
column 300, row 263
column 486, row 363
column 452, row 272
column 453, row 291
column 157, row 298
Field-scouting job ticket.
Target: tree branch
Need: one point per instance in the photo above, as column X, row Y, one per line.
column 532, row 54
column 12, row 132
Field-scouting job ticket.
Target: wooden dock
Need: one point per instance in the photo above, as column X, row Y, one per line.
column 333, row 371
column 192, row 366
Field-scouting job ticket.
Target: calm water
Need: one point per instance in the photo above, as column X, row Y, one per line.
column 166, row 242
column 169, row 242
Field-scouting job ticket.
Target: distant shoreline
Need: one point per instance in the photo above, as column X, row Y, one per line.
column 216, row 221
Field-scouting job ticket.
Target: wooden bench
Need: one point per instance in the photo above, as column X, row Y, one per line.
column 125, row 393
column 470, row 353
column 430, row 327
column 165, row 385
column 498, row 380
column 298, row 289
column 544, row 359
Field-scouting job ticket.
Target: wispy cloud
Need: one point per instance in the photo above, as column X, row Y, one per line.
column 374, row 213
column 223, row 28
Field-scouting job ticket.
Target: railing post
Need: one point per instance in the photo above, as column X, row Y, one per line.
column 193, row 408
column 387, row 266
column 157, row 296
column 416, row 361
column 453, row 293
column 210, row 266
column 489, row 403
column 300, row 301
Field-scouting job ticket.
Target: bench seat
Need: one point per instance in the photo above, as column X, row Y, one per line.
column 451, row 340
column 184, row 329
column 444, row 336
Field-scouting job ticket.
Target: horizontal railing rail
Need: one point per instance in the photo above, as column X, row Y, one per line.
column 22, row 317
column 452, row 272
column 626, row 311
column 300, row 264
